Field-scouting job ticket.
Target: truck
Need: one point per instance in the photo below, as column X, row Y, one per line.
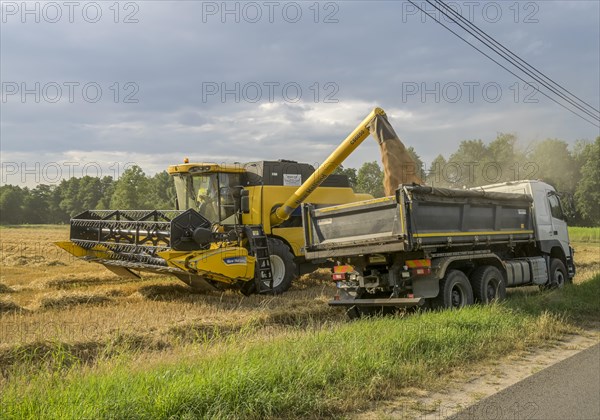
column 235, row 225
column 441, row 248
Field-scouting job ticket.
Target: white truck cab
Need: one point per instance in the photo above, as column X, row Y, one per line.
column 552, row 235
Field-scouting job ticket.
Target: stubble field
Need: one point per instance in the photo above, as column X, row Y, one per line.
column 62, row 319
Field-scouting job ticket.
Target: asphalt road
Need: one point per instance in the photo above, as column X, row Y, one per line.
column 569, row 389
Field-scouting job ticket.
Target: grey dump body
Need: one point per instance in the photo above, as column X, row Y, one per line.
column 418, row 218
column 485, row 239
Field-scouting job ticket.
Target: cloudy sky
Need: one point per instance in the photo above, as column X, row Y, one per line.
column 89, row 85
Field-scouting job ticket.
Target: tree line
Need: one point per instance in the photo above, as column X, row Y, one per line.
column 574, row 172
column 50, row 204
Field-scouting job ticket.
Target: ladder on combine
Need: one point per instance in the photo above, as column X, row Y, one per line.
column 259, row 247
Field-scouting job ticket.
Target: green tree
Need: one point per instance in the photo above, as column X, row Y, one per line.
column 90, row 192
column 435, row 175
column 507, row 161
column 555, row 164
column 370, row 179
column 132, row 191
column 162, row 191
column 587, row 194
column 350, row 174
column 11, row 204
column 464, row 167
column 107, row 184
column 79, row 194
column 420, row 166
column 41, row 205
column 69, row 201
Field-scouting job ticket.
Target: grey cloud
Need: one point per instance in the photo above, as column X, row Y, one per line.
column 371, row 54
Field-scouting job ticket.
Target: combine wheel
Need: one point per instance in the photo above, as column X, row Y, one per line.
column 488, row 284
column 283, row 266
column 455, row 291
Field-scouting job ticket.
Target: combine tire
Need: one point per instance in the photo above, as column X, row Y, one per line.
column 488, row 284
column 455, row 291
column 283, row 266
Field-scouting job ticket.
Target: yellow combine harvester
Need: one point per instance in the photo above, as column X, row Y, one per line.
column 237, row 226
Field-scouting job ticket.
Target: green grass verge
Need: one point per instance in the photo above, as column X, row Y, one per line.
column 305, row 373
column 584, row 234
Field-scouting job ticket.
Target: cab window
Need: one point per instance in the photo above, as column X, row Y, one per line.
column 555, row 207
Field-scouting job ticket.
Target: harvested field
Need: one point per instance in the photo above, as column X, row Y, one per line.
column 69, row 305
column 61, row 315
column 5, row 289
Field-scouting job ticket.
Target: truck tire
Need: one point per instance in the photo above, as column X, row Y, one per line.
column 488, row 284
column 283, row 266
column 558, row 274
column 455, row 291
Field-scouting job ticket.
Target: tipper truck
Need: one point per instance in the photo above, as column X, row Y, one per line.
column 438, row 247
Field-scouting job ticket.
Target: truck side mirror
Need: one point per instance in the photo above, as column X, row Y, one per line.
column 245, row 201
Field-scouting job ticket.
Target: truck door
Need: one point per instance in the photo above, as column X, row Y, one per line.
column 559, row 224
column 543, row 220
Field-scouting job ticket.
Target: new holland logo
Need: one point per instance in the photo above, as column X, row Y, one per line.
column 235, row 260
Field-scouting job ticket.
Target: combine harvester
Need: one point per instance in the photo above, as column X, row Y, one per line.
column 238, row 226
column 440, row 247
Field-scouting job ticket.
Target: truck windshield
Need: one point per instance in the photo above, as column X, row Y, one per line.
column 210, row 194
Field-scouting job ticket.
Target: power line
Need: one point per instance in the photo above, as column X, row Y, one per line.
column 513, row 62
column 498, row 63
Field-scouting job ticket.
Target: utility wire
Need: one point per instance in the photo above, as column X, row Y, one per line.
column 498, row 46
column 501, row 65
column 535, row 77
column 514, row 64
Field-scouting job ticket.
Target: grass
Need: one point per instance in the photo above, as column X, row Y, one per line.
column 323, row 372
column 584, row 234
column 580, row 302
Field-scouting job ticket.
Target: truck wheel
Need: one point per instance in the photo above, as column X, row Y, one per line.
column 455, row 291
column 558, row 274
column 283, row 266
column 488, row 284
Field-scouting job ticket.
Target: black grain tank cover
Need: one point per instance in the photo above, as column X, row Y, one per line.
column 286, row 173
column 422, row 193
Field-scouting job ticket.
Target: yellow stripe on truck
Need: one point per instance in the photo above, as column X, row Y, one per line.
column 504, row 232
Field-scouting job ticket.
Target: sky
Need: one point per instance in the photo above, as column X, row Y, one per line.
column 89, row 88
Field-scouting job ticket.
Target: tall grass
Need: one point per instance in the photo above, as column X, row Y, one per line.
column 304, row 373
column 584, row 234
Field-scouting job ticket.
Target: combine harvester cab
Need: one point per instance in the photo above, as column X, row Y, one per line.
column 239, row 226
